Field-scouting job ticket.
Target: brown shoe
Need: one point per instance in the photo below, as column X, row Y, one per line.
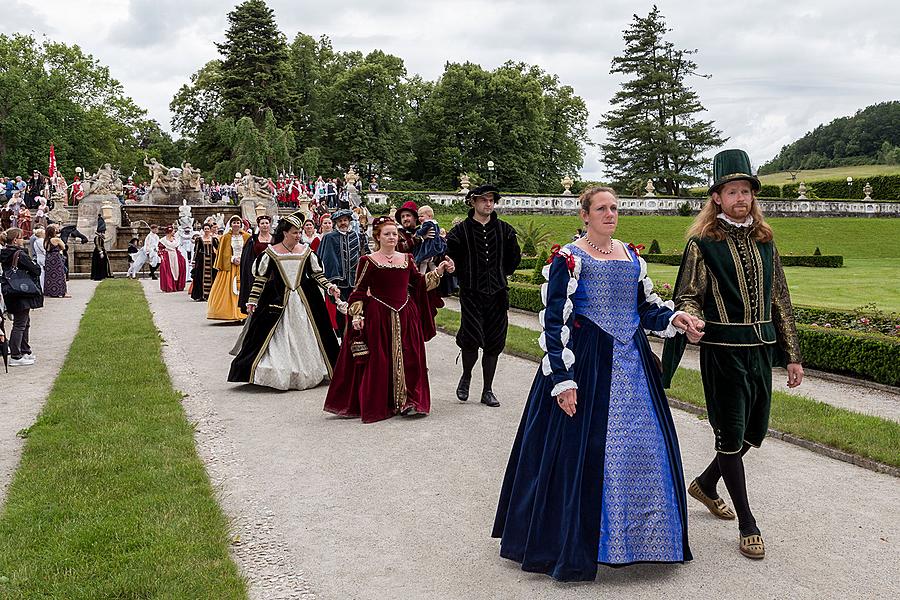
column 716, row 506
column 752, row 546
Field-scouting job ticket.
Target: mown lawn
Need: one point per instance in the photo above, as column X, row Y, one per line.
column 858, row 173
column 110, row 499
column 865, row 435
column 857, row 283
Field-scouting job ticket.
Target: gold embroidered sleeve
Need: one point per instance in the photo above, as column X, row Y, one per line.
column 690, row 289
column 432, row 280
column 318, row 275
column 356, row 309
column 783, row 314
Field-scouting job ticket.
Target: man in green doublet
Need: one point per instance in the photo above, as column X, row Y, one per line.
column 731, row 277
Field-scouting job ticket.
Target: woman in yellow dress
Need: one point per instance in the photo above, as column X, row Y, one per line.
column 223, row 297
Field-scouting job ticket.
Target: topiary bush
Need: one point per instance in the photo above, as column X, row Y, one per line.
column 537, row 273
column 654, row 248
column 525, row 296
column 828, row 261
column 684, row 209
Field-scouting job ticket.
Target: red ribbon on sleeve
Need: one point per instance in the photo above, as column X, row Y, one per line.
column 556, row 250
column 636, row 248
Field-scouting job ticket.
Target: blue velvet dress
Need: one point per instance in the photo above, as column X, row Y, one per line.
column 605, row 486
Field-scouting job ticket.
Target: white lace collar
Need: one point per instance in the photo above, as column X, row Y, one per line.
column 746, row 223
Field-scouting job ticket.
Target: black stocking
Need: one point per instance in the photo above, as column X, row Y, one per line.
column 469, row 358
column 709, row 479
column 488, row 368
column 732, row 467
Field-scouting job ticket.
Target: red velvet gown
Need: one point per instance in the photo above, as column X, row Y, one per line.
column 399, row 318
column 172, row 267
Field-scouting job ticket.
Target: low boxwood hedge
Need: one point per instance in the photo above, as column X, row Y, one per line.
column 867, row 355
column 870, row 356
column 787, row 260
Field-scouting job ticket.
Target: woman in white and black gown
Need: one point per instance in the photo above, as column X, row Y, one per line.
column 288, row 342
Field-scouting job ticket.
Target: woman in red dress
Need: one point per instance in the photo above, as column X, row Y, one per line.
column 381, row 369
column 172, row 265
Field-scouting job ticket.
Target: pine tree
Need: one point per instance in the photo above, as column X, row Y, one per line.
column 254, row 70
column 652, row 130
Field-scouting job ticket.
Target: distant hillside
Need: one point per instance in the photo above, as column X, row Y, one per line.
column 870, row 136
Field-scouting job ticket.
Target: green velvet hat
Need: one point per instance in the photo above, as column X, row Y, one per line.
column 732, row 165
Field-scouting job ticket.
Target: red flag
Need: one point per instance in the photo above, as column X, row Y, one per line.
column 51, row 170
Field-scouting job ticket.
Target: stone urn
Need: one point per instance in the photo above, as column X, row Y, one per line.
column 801, row 190
column 566, row 182
column 650, row 188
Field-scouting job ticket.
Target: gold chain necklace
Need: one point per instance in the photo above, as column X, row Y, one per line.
column 598, row 248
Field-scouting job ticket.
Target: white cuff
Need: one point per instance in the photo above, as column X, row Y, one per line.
column 671, row 330
column 562, row 386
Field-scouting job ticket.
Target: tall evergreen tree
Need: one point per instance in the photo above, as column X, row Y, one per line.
column 653, row 130
column 255, row 68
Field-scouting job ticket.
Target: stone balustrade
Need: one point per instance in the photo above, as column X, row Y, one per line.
column 563, row 205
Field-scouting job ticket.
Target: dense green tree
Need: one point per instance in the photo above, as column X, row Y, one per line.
column 653, row 130
column 255, row 69
column 363, row 112
column 266, row 150
column 856, row 140
column 51, row 93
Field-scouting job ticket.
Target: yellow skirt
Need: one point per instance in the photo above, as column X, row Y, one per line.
column 223, row 298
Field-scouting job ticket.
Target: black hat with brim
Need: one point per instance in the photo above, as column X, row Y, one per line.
column 483, row 190
column 732, row 165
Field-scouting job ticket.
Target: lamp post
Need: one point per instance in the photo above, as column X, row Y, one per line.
column 490, row 166
column 849, row 187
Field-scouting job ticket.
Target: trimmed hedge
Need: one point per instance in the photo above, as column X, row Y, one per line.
column 528, row 262
column 865, row 355
column 787, row 260
column 885, row 188
column 663, row 259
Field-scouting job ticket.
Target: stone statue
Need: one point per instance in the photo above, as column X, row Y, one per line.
column 184, row 215
column 867, row 190
column 464, row 183
column 190, row 177
column 350, row 177
column 104, row 181
column 159, row 174
column 252, row 186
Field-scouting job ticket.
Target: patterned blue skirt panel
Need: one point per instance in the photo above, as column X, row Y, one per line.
column 640, row 518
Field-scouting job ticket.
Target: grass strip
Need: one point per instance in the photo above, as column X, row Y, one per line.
column 110, row 499
column 864, row 435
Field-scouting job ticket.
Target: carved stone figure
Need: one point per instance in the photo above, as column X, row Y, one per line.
column 159, row 174
column 190, row 177
column 104, row 181
column 184, row 215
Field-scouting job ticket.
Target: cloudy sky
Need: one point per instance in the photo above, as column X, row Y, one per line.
column 778, row 69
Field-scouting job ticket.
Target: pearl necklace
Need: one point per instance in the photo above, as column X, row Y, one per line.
column 598, row 248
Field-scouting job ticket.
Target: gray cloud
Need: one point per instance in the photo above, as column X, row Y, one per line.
column 777, row 70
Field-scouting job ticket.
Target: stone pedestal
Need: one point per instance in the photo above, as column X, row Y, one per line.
column 90, row 207
column 248, row 208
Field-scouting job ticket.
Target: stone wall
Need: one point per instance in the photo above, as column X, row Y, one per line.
column 564, row 205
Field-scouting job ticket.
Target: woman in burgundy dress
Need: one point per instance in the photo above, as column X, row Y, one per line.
column 172, row 265
column 381, row 369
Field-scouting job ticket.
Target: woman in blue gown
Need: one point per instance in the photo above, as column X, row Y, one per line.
column 595, row 471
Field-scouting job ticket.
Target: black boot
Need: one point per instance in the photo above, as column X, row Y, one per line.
column 488, row 368
column 468, row 359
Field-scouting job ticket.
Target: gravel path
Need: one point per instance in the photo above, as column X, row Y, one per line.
column 333, row 509
column 52, row 330
column 858, row 398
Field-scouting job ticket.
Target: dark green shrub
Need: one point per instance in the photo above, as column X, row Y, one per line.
column 866, row 355
column 532, row 236
column 684, row 209
column 537, row 275
column 829, row 261
column 866, row 318
column 525, row 296
column 654, row 248
column 663, row 259
column 885, row 188
column 769, row 191
column 817, row 252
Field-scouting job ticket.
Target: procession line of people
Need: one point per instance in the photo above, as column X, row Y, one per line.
column 595, row 474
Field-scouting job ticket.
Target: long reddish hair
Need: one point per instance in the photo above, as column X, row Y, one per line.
column 706, row 223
